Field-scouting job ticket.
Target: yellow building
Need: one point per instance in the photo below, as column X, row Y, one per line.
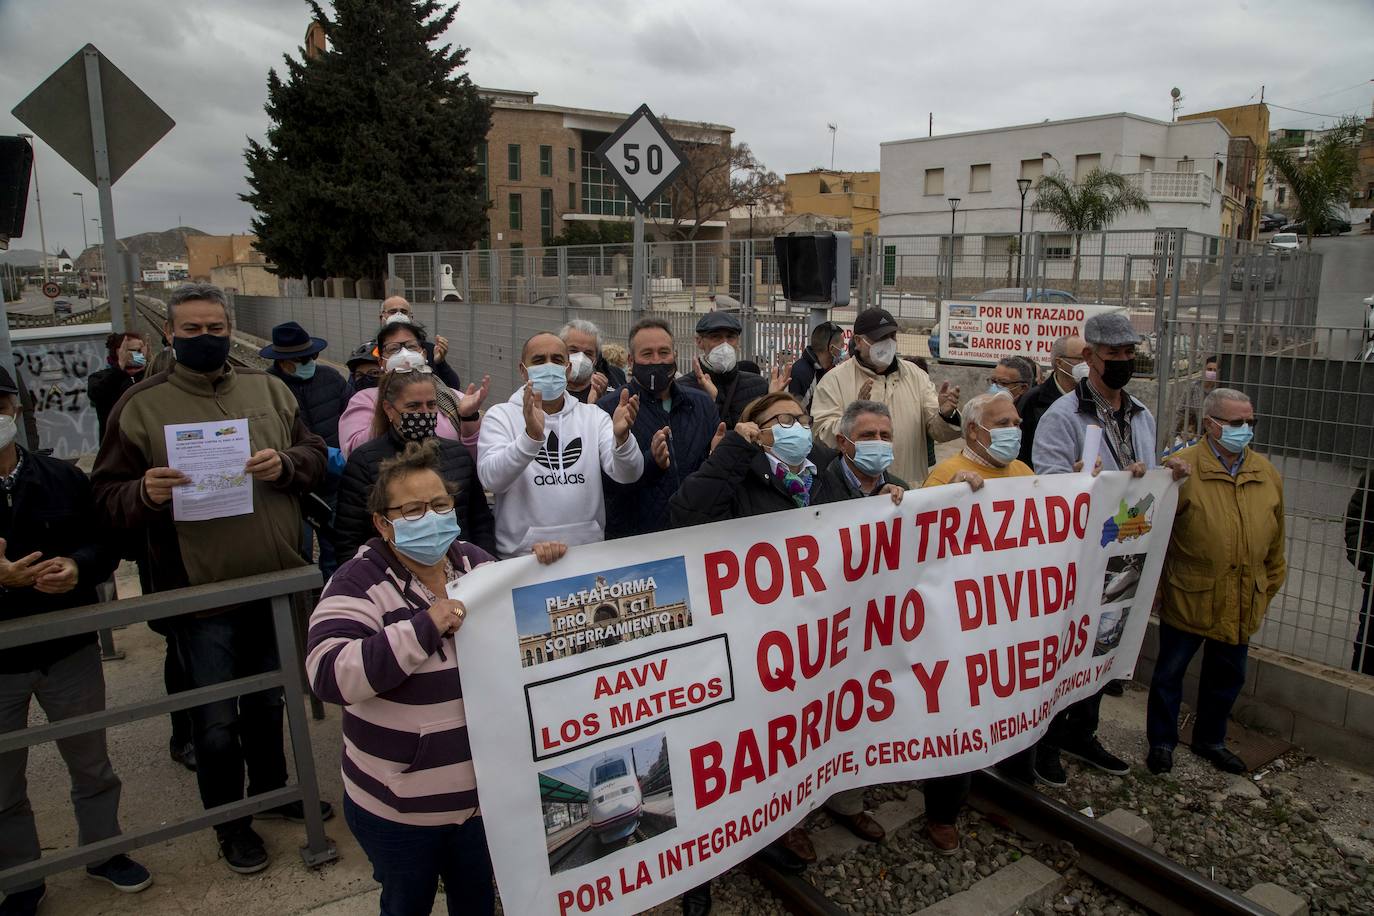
column 1244, row 122
column 844, row 195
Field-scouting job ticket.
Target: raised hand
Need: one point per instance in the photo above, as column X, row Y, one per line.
column 599, row 385
column 720, row 434
column 866, row 390
column 440, row 348
column 780, row 377
column 624, row 417
column 704, row 380
column 474, row 397
column 949, row 399
column 658, row 448
column 749, row 431
column 533, row 408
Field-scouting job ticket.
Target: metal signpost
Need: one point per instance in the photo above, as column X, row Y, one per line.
column 643, row 160
column 97, row 119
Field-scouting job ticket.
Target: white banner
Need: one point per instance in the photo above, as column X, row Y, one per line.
column 646, row 713
column 984, row 332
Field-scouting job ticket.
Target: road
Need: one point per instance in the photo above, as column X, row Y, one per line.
column 1347, row 278
column 33, row 302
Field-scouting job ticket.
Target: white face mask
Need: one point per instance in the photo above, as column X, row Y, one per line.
column 581, row 368
column 405, row 359
column 8, row 430
column 882, row 353
column 722, row 358
column 1080, row 372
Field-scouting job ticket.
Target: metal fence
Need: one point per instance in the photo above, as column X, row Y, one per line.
column 275, row 587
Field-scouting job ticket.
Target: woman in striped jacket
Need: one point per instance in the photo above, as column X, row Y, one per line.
column 380, row 646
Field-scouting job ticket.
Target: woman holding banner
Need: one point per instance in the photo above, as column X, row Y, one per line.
column 379, row 646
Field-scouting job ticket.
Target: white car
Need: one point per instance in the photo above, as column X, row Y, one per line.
column 1288, row 241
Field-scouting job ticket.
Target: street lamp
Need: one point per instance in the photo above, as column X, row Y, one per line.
column 42, row 236
column 953, row 208
column 1022, row 185
column 100, row 256
column 85, row 243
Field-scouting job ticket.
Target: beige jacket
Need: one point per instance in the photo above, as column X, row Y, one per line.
column 908, row 392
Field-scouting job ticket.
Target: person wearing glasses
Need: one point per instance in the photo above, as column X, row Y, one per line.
column 396, row 308
column 401, row 344
column 1013, row 374
column 1067, row 369
column 381, row 645
column 1224, row 565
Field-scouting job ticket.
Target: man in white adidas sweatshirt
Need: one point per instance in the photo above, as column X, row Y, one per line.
column 542, row 453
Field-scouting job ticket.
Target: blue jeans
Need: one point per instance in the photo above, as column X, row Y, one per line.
column 1222, row 677
column 408, row 862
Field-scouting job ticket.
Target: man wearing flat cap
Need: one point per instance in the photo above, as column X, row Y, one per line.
column 1128, row 444
column 876, row 373
column 718, row 372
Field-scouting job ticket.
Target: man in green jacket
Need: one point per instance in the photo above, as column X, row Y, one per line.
column 134, row 486
column 1224, row 565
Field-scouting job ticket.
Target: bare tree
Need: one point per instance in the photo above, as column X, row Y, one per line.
column 717, row 178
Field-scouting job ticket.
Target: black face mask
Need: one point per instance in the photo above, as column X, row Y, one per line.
column 417, row 426
column 364, row 382
column 654, row 377
column 1116, row 373
column 202, row 353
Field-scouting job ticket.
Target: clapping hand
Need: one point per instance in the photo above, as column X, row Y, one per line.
column 533, row 407
column 949, row 399
column 624, row 417
column 720, row 434
column 474, row 397
column 704, row 380
column 599, row 385
column 658, row 448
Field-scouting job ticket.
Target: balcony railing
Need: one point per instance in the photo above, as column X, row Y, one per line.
column 1173, row 187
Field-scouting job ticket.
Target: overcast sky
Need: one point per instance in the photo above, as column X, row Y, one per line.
column 775, row 71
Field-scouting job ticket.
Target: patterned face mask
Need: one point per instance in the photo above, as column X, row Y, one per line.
column 418, row 426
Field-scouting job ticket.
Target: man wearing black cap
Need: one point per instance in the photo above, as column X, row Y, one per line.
column 52, row 556
column 876, row 374
column 718, row 372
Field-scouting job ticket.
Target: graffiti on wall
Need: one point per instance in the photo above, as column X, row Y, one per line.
column 56, row 372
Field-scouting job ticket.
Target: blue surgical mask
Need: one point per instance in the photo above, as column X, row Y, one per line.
column 995, row 388
column 873, row 456
column 1006, row 443
column 1235, row 438
column 549, row 379
column 427, row 539
column 137, row 359
column 306, row 371
column 791, row 444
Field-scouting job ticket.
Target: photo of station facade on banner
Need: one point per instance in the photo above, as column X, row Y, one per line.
column 643, row 727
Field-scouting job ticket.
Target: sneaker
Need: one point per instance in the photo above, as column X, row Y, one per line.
column 1114, row 689
column 1221, row 758
column 184, row 754
column 123, row 872
column 1160, row 760
column 243, row 851
column 294, row 812
column 944, row 837
column 1049, row 769
column 23, row 903
column 1093, row 753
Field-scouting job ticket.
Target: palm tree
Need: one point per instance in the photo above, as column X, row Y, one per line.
column 1322, row 183
column 1089, row 205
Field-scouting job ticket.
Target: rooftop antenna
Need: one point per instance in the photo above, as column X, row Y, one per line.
column 833, row 131
column 1178, row 102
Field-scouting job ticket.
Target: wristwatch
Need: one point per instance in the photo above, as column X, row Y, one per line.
column 470, row 418
column 953, row 419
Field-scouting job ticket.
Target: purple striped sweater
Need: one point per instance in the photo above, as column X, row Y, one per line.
column 373, row 649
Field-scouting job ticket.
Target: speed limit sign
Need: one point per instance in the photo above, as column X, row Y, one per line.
column 641, row 157
column 51, row 290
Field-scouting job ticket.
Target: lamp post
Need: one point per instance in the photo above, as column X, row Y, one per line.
column 100, row 257
column 953, row 208
column 1022, row 185
column 85, row 243
column 42, row 236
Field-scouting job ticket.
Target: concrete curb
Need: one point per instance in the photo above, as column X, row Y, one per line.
column 1025, row 882
column 836, row 841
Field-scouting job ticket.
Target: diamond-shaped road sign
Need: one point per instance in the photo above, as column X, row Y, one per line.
column 641, row 157
column 59, row 111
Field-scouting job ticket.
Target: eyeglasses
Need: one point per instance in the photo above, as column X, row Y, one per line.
column 787, row 420
column 373, row 374
column 994, row 380
column 413, row 512
column 1236, row 424
column 396, row 311
column 392, row 349
column 406, row 370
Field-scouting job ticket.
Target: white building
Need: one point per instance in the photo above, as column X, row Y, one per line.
column 1179, row 166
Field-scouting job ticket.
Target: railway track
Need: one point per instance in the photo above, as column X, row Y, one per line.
column 1129, row 868
column 154, row 318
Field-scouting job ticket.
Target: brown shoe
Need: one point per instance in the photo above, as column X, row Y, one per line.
column 798, row 842
column 944, row 837
column 863, row 825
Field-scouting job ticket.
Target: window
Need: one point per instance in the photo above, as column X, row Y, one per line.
column 572, row 196
column 601, row 196
column 514, row 206
column 572, row 161
column 513, row 161
column 546, row 215
column 935, row 181
column 958, row 247
column 517, row 259
column 1283, row 192
column 1058, row 248
column 546, row 161
column 1032, row 169
column 1184, row 165
column 980, row 178
column 997, row 246
column 1147, row 163
column 1221, row 174
column 1084, row 164
column 482, row 169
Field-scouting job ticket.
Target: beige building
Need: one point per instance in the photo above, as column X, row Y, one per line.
column 206, row 252
column 542, row 173
column 608, row 614
column 850, row 196
column 1245, row 155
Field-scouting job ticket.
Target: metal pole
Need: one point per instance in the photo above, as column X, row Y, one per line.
column 318, row 848
column 1021, row 239
column 114, row 270
column 85, row 242
column 7, row 360
column 639, row 267
column 38, row 197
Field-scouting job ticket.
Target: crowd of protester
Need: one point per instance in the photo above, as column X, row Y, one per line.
column 397, row 481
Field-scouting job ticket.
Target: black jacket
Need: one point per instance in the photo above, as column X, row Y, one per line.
column 807, row 373
column 734, row 391
column 642, row 507
column 833, row 486
column 1031, row 406
column 737, row 481
column 51, row 511
column 105, row 388
column 1359, row 527
column 320, row 398
column 353, row 523
column 442, row 370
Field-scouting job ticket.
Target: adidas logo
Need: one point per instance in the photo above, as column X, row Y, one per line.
column 556, row 459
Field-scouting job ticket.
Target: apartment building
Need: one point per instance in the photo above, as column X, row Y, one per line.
column 851, row 196
column 541, row 170
column 1242, row 204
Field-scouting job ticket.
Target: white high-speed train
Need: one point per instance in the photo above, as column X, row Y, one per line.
column 616, row 800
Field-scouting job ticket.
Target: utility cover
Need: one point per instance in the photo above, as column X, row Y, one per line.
column 641, row 157
column 59, row 112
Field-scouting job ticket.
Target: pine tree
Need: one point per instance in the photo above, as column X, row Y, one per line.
column 373, row 144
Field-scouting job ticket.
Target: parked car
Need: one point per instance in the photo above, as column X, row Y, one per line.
column 1285, row 241
column 1330, row 227
column 1027, row 294
column 1272, row 222
column 1261, row 270
column 61, row 307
